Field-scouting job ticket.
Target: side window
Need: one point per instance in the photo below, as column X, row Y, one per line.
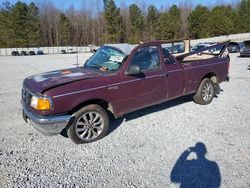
column 178, row 47
column 167, row 57
column 147, row 58
column 175, row 47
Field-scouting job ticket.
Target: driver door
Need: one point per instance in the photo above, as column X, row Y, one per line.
column 151, row 83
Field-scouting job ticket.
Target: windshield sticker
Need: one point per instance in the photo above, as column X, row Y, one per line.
column 66, row 72
column 116, row 58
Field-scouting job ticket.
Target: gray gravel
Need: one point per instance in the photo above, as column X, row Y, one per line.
column 142, row 149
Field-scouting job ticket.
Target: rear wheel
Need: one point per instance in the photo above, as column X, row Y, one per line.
column 91, row 124
column 205, row 93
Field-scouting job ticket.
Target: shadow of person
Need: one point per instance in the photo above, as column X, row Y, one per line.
column 196, row 173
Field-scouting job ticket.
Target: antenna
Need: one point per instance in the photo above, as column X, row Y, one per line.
column 77, row 57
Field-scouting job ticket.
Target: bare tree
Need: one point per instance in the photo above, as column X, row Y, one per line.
column 186, row 8
column 49, row 17
column 124, row 10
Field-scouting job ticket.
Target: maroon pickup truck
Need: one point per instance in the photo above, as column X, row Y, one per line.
column 120, row 78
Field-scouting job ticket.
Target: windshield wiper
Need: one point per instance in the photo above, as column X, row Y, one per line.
column 100, row 67
column 94, row 65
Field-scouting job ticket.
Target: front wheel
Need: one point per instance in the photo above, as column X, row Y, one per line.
column 205, row 93
column 91, row 124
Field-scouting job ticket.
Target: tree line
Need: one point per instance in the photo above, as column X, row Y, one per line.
column 27, row 25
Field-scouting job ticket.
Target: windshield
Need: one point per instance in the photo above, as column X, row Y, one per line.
column 106, row 58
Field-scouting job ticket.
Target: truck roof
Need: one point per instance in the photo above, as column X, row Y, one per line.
column 124, row 47
column 127, row 48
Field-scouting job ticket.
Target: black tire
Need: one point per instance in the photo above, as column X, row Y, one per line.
column 205, row 93
column 87, row 119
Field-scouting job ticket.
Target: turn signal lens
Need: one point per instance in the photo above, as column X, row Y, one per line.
column 40, row 103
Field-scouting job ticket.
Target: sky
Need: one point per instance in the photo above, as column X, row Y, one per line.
column 78, row 4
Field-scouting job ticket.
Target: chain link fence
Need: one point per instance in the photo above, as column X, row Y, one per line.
column 46, row 50
column 235, row 38
column 82, row 49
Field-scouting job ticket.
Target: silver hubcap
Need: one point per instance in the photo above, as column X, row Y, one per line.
column 89, row 126
column 207, row 92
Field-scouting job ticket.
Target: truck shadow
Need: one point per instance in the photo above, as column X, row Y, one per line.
column 248, row 67
column 115, row 123
column 196, row 172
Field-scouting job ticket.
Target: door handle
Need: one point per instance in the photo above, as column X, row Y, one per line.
column 163, row 75
column 115, row 87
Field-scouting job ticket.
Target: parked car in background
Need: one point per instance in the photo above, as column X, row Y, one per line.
column 200, row 46
column 31, row 53
column 23, row 53
column 245, row 49
column 241, row 44
column 39, row 52
column 14, row 53
column 216, row 50
column 71, row 51
column 233, row 47
column 63, row 52
column 93, row 48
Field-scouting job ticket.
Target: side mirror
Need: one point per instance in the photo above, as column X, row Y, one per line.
column 167, row 60
column 133, row 70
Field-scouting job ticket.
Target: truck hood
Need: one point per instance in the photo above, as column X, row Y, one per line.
column 41, row 82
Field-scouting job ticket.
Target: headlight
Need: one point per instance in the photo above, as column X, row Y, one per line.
column 40, row 103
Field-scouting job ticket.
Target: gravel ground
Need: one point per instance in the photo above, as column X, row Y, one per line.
column 142, row 149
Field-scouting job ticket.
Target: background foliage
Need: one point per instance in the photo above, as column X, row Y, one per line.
column 27, row 25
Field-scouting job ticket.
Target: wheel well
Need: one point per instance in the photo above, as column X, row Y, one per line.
column 106, row 105
column 212, row 76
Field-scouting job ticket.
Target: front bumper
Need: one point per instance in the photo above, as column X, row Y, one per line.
column 48, row 125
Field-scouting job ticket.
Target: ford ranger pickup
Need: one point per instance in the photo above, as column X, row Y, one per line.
column 118, row 79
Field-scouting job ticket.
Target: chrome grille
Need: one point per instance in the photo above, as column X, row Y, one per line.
column 246, row 50
column 26, row 96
